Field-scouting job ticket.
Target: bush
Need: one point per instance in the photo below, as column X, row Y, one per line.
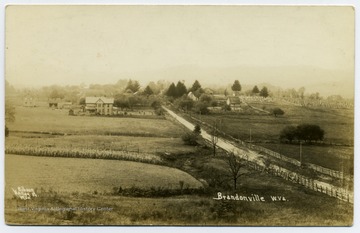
column 306, row 132
column 201, row 107
column 155, row 104
column 288, row 133
column 197, row 129
column 277, row 111
column 190, row 139
column 159, row 111
column 226, row 108
column 6, row 131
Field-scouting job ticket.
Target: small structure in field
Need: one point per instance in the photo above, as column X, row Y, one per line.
column 99, row 105
column 29, row 101
column 65, row 105
column 54, row 102
column 234, row 103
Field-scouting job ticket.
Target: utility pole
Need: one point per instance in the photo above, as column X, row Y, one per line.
column 250, row 135
column 300, row 153
column 214, row 136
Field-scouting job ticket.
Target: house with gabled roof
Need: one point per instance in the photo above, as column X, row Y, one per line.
column 192, row 96
column 99, row 105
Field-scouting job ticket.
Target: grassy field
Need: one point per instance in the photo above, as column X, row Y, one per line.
column 338, row 158
column 69, row 175
column 72, row 182
column 122, row 143
column 182, row 210
column 44, row 119
column 265, row 130
column 337, row 123
column 302, row 207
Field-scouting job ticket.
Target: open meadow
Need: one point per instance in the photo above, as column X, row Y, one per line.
column 264, row 130
column 71, row 175
column 58, row 121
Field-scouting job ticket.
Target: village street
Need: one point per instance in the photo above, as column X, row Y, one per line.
column 253, row 156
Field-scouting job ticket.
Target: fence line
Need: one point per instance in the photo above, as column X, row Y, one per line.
column 315, row 185
column 326, row 171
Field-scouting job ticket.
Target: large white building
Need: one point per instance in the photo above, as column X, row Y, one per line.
column 99, row 105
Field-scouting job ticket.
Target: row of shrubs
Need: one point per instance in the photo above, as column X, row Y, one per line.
column 156, row 191
column 82, row 153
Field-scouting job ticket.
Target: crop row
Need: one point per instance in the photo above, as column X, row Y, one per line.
column 82, row 153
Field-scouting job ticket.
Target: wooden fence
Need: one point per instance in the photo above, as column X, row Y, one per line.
column 323, row 170
column 315, row 185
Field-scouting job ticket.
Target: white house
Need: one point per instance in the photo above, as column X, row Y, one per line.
column 99, row 105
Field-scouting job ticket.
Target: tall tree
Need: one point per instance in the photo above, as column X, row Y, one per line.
column 171, row 92
column 288, row 133
column 180, row 89
column 148, row 91
column 196, row 86
column 134, row 86
column 255, row 90
column 234, row 164
column 264, row 92
column 236, row 87
column 310, row 132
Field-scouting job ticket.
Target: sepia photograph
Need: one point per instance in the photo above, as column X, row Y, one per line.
column 179, row 115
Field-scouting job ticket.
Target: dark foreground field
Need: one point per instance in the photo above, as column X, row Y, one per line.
column 90, row 194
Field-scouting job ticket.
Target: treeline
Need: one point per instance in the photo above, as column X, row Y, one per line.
column 303, row 132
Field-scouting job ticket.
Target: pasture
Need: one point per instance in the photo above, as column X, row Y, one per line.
column 42, row 119
column 338, row 123
column 70, row 175
column 303, row 206
column 265, row 130
column 140, row 144
column 340, row 158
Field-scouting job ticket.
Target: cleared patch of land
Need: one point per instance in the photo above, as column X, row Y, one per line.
column 101, row 142
column 338, row 125
column 42, row 119
column 68, row 175
column 265, row 129
column 340, row 158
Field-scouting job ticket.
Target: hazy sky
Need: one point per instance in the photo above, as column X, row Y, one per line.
column 101, row 44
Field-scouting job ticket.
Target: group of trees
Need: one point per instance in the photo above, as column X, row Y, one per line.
column 302, row 132
column 179, row 90
column 176, row 91
column 124, row 101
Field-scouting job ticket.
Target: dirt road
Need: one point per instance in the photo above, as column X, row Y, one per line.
column 253, row 156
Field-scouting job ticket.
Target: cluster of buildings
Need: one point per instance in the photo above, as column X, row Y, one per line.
column 93, row 105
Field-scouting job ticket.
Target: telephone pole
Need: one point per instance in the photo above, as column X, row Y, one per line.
column 300, row 153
